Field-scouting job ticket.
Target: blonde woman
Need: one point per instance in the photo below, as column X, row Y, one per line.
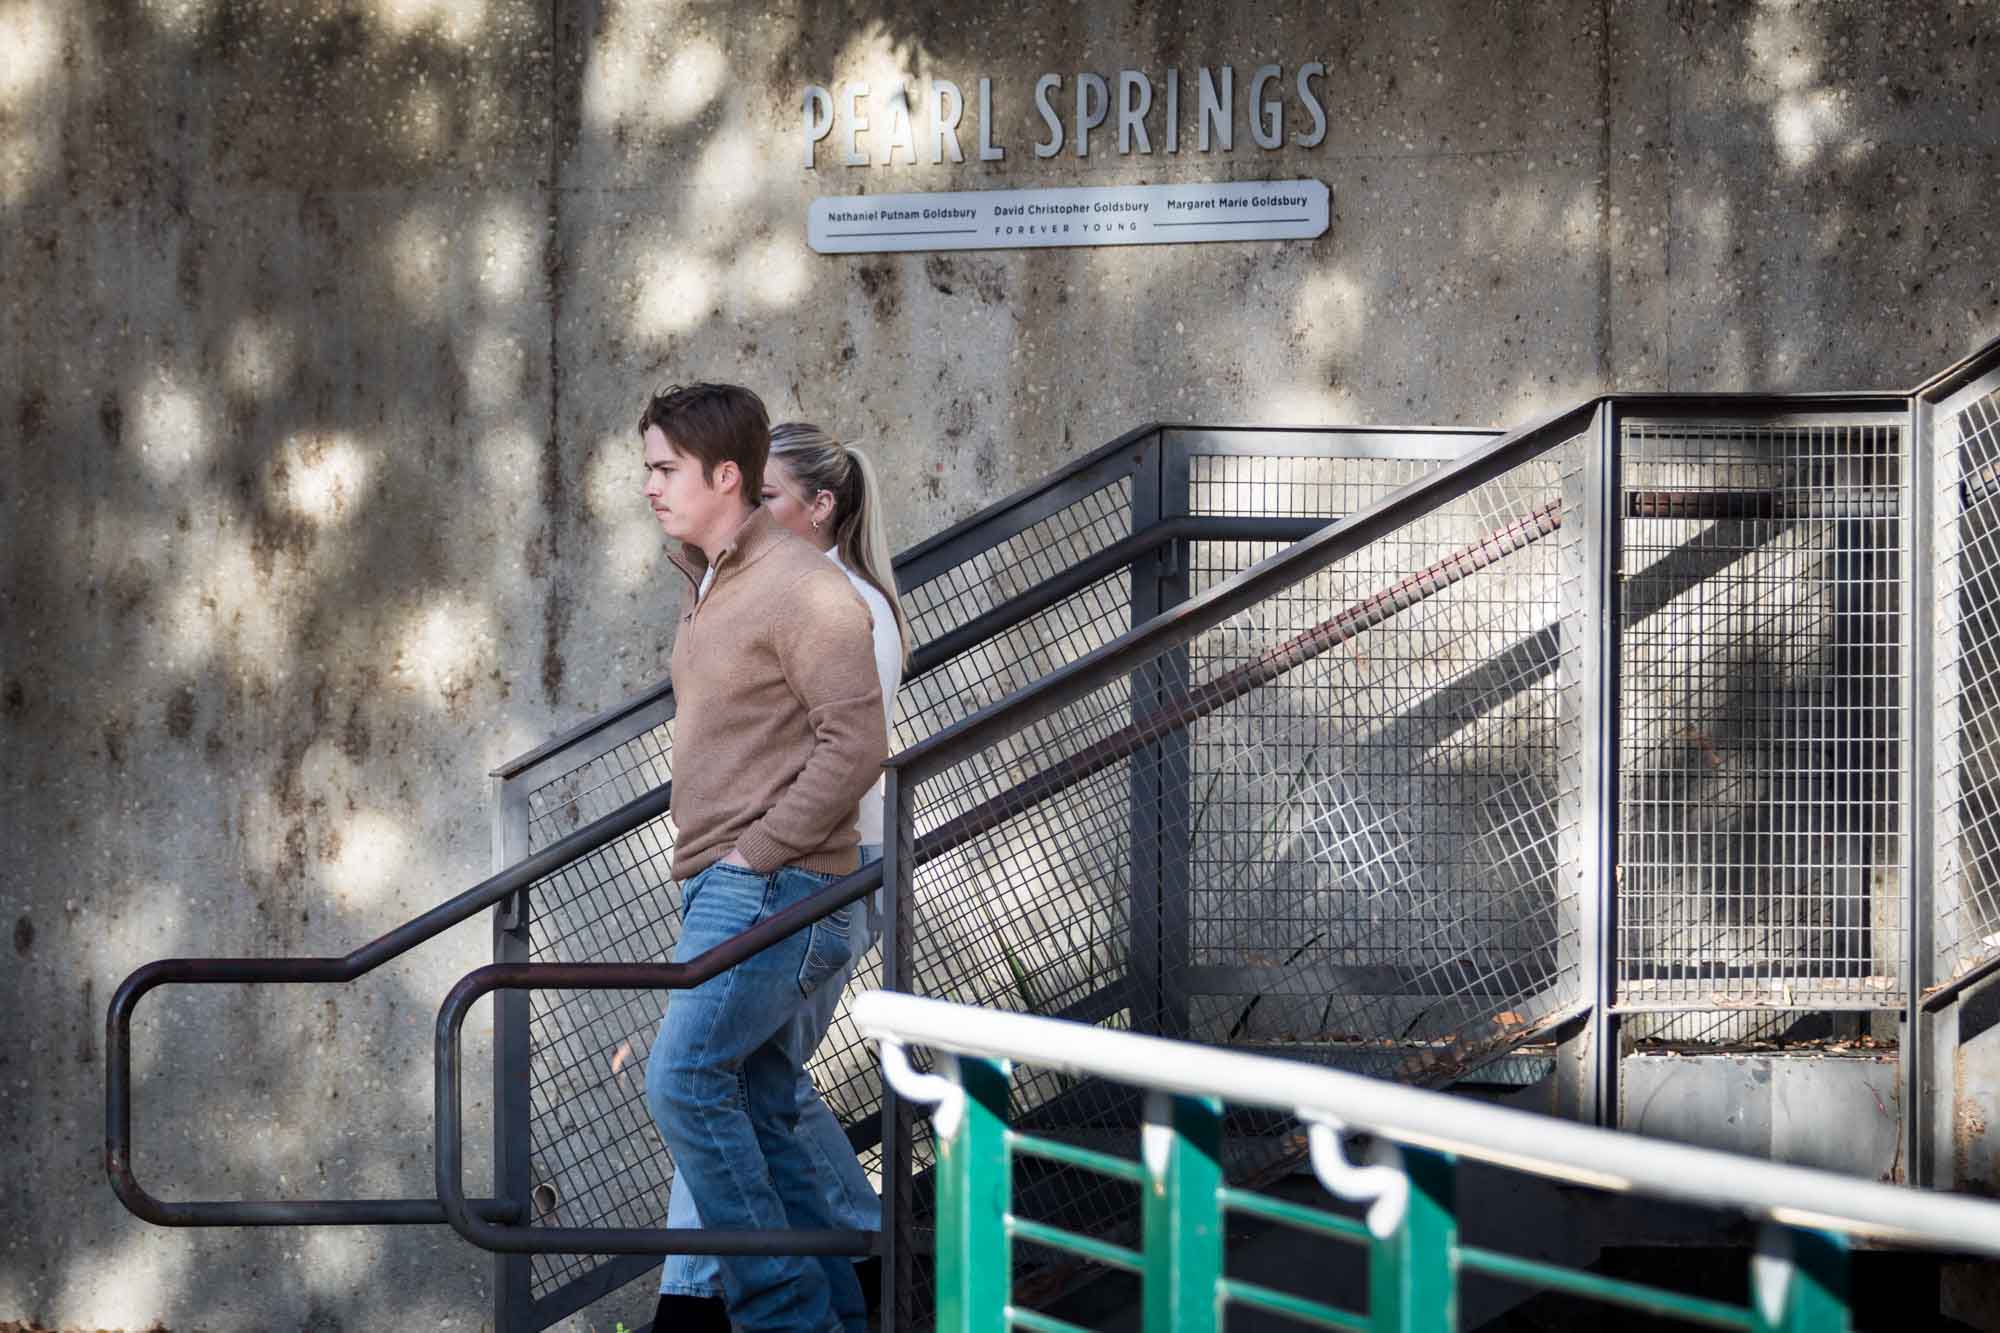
column 824, row 492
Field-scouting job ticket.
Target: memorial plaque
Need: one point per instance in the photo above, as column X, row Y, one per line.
column 1082, row 215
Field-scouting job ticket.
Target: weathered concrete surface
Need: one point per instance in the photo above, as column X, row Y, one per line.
column 325, row 326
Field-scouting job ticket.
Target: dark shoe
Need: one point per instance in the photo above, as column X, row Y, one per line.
column 690, row 1314
column 869, row 1273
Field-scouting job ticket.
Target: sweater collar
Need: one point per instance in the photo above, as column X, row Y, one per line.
column 751, row 541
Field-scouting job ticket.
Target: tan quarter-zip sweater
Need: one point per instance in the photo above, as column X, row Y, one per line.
column 777, row 710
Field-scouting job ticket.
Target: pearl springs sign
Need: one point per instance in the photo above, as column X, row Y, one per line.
column 1139, row 119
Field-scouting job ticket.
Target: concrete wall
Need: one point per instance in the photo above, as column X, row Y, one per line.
column 325, row 326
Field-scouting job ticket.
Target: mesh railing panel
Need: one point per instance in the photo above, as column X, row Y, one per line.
column 1967, row 763
column 596, row 787
column 592, row 1140
column 1367, row 857
column 1367, row 874
column 1373, row 846
column 984, row 675
column 1240, row 485
column 1089, row 619
column 967, row 590
column 1761, row 717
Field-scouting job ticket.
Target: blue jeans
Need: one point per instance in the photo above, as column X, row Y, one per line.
column 845, row 1186
column 722, row 1084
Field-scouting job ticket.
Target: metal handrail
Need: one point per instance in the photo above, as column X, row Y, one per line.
column 1024, row 507
column 488, row 893
column 1960, row 373
column 1142, row 643
column 619, row 976
column 209, row 971
column 1334, row 541
column 464, row 1215
column 1558, row 1150
column 499, row 887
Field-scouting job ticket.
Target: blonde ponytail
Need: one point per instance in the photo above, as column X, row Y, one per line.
column 821, row 463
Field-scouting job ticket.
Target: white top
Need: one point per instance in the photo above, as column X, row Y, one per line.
column 889, row 667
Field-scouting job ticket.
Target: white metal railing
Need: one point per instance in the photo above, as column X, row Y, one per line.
column 1328, row 1099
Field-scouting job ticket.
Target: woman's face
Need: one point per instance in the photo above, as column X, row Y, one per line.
column 791, row 504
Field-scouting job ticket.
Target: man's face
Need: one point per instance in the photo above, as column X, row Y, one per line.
column 688, row 507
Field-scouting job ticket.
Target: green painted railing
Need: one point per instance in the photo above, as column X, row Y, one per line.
column 1798, row 1276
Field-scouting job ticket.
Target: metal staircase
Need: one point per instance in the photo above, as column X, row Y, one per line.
column 1661, row 720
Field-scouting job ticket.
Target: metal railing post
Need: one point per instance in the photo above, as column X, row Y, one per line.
column 975, row 1264
column 898, row 1186
column 1412, row 1273
column 1174, row 756
column 1605, row 544
column 1920, row 820
column 1799, row 1282
column 513, row 1274
column 1181, row 1144
column 1159, row 811
column 1580, row 605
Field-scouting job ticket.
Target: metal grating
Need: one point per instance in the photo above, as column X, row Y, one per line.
column 592, row 1140
column 1761, row 718
column 1347, row 823
column 1366, row 873
column 987, row 580
column 989, row 577
column 1373, row 844
column 598, row 786
column 1294, row 486
column 984, row 675
column 1968, row 686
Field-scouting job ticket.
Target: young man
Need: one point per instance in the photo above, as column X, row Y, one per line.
column 778, row 733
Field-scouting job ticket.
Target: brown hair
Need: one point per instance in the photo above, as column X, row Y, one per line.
column 822, row 463
column 714, row 423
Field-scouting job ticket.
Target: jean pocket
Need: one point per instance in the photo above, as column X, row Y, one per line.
column 691, row 889
column 827, row 949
